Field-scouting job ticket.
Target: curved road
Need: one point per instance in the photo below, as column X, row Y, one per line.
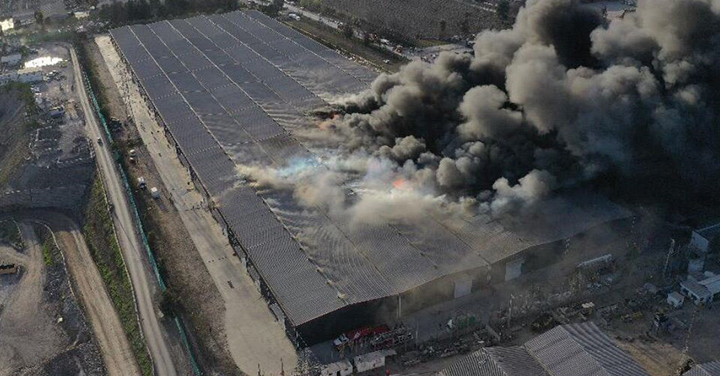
column 131, row 246
column 117, row 353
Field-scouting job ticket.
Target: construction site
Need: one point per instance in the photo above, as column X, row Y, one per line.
column 256, row 199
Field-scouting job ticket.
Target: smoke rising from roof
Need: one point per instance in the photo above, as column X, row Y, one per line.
column 561, row 100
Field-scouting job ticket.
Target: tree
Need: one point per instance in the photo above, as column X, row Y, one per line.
column 158, row 9
column 279, row 4
column 271, row 10
column 40, row 18
column 170, row 303
column 347, row 30
column 138, row 10
column 503, row 8
column 177, row 7
column 2, row 42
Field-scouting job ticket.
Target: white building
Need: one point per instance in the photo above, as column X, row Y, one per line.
column 372, row 360
column 341, row 368
column 13, row 59
column 675, row 299
column 703, row 291
column 701, row 238
column 7, row 24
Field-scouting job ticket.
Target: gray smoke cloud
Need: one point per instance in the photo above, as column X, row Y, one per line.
column 562, row 100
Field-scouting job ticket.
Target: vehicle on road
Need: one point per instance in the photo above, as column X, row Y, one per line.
column 354, row 336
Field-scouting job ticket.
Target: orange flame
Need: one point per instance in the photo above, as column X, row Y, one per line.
column 327, row 124
column 400, row 183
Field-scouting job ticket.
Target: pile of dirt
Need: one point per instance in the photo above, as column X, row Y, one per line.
column 43, row 329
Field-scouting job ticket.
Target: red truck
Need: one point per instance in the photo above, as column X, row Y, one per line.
column 356, row 335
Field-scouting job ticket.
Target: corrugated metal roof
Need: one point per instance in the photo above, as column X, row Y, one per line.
column 232, row 88
column 495, row 361
column 696, row 288
column 704, row 369
column 515, row 361
column 582, row 349
column 712, row 284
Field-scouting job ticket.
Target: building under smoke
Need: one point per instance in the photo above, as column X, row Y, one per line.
column 439, row 179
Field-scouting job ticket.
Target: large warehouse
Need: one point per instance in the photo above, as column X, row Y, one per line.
column 231, row 90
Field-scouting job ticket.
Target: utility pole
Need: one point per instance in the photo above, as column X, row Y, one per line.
column 683, row 358
column 510, row 310
column 567, row 247
column 671, row 251
column 399, row 311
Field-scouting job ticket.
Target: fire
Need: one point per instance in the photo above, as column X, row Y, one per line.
column 400, row 183
column 328, row 123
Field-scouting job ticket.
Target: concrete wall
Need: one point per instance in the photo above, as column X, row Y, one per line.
column 698, row 242
column 66, row 198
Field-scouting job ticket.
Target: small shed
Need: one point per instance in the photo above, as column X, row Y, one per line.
column 675, row 299
column 695, row 291
column 372, row 360
column 712, row 283
column 341, row 368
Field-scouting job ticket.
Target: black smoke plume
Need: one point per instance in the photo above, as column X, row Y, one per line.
column 563, row 100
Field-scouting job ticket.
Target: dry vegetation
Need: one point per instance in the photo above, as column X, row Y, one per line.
column 411, row 20
column 106, row 253
column 15, row 129
column 334, row 39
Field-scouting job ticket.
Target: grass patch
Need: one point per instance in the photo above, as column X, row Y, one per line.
column 80, row 43
column 10, row 234
column 106, row 253
column 50, row 250
column 422, row 43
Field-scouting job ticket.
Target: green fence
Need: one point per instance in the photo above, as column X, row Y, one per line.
column 141, row 230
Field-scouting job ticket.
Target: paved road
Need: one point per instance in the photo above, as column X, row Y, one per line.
column 142, row 279
column 253, row 335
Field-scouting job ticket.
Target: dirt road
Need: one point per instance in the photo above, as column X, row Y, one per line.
column 20, row 345
column 142, row 279
column 253, row 335
column 115, row 348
